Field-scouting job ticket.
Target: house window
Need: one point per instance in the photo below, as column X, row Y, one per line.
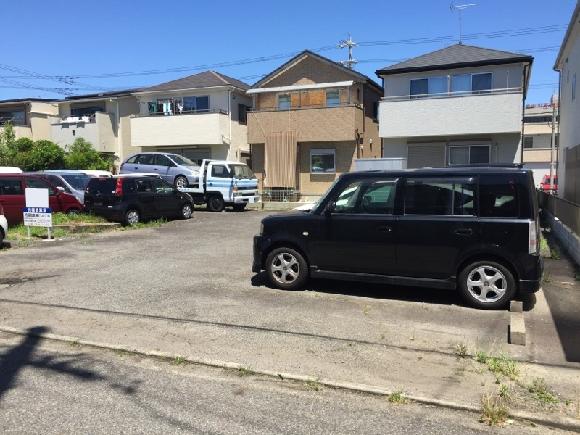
column 428, row 86
column 194, row 104
column 461, row 83
column 469, row 155
column 322, row 161
column 242, row 114
column 284, row 102
column 419, row 87
column 528, row 141
column 481, row 83
column 87, row 110
column 332, row 98
column 439, row 197
column 15, row 116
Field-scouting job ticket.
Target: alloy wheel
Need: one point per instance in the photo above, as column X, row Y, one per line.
column 181, row 182
column 132, row 217
column 186, row 211
column 487, row 284
column 285, row 268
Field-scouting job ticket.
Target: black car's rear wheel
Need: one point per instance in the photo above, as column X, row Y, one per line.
column 287, row 269
column 487, row 284
column 132, row 217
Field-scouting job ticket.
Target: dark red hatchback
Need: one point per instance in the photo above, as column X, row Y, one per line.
column 13, row 201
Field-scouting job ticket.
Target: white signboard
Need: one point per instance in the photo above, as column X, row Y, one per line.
column 36, row 197
column 37, row 217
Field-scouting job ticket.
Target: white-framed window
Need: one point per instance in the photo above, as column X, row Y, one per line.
column 469, row 154
column 323, row 161
column 284, row 102
column 332, row 98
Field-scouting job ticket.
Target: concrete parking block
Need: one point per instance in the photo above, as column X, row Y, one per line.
column 517, row 333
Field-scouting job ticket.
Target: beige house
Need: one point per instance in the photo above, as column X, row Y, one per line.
column 200, row 116
column 311, row 118
column 31, row 117
column 568, row 64
column 455, row 106
column 102, row 119
column 537, row 142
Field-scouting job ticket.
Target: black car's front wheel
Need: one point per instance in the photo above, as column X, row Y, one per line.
column 132, row 217
column 186, row 211
column 487, row 284
column 287, row 269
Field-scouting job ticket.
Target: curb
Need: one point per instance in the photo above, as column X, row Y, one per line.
column 565, row 423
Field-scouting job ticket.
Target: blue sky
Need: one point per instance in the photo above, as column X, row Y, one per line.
column 91, row 38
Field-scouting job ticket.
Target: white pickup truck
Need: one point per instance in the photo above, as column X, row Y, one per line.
column 223, row 183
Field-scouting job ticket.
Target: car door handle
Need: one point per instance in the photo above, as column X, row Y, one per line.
column 384, row 229
column 463, row 231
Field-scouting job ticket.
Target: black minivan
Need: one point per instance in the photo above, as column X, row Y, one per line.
column 471, row 228
column 129, row 199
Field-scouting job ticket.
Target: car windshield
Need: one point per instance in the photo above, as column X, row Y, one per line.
column 242, row 171
column 180, row 160
column 77, row 181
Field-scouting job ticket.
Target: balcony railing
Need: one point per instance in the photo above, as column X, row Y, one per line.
column 182, row 112
column 501, row 91
column 303, row 107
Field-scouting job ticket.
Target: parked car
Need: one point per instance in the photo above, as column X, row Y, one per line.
column 3, row 225
column 10, row 170
column 173, row 168
column 13, row 200
column 69, row 182
column 545, row 184
column 132, row 198
column 474, row 229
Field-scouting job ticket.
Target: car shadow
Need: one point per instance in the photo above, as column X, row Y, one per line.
column 374, row 291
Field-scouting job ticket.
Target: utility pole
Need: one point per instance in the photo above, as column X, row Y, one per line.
column 460, row 9
column 553, row 143
column 350, row 44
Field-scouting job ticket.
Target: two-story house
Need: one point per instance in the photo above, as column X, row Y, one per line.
column 102, row 119
column 200, row 116
column 311, row 118
column 458, row 105
column 568, row 64
column 30, row 117
column 540, row 126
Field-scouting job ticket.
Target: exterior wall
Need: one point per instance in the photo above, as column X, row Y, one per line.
column 539, row 169
column 99, row 133
column 461, row 115
column 39, row 115
column 128, row 106
column 503, row 76
column 317, row 184
column 239, row 133
column 505, row 148
column 569, row 177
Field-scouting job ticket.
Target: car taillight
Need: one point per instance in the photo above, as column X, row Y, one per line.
column 533, row 244
column 119, row 187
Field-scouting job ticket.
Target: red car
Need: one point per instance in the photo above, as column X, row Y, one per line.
column 13, row 201
column 545, row 184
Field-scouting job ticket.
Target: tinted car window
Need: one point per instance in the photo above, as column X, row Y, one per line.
column 346, row 201
column 498, row 196
column 145, row 159
column 132, row 159
column 102, row 185
column 439, row 197
column 10, row 186
column 37, row 183
column 161, row 160
column 144, row 185
column 58, row 182
column 78, row 181
column 160, row 186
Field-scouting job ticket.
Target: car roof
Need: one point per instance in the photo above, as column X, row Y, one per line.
column 449, row 171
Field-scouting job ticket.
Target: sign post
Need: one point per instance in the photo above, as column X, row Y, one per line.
column 37, row 212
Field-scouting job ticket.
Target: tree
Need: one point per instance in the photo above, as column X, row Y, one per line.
column 7, row 137
column 45, row 155
column 82, row 155
column 19, row 152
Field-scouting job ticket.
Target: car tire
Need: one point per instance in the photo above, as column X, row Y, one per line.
column 1, row 237
column 286, row 268
column 186, row 211
column 215, row 203
column 239, row 207
column 132, row 217
column 180, row 182
column 487, row 285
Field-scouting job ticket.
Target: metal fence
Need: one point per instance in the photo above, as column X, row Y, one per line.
column 566, row 211
column 280, row 195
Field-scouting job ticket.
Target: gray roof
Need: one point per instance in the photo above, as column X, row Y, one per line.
column 206, row 79
column 455, row 56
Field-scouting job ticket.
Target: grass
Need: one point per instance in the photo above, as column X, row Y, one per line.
column 542, row 392
column 178, row 360
column 148, row 224
column 500, row 365
column 494, row 411
column 243, row 371
column 19, row 232
column 313, row 385
column 505, row 392
column 547, row 250
column 398, row 397
column 461, row 350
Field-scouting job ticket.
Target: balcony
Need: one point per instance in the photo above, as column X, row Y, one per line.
column 313, row 124
column 195, row 128
column 496, row 111
column 539, row 155
column 96, row 129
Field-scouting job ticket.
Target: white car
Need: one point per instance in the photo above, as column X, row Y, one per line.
column 10, row 170
column 3, row 225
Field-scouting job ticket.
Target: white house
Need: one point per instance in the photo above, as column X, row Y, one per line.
column 458, row 105
column 199, row 116
column 568, row 64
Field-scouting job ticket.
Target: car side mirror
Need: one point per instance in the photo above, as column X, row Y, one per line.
column 330, row 207
column 60, row 189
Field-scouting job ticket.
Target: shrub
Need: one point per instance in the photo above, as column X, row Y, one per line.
column 45, row 155
column 82, row 155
